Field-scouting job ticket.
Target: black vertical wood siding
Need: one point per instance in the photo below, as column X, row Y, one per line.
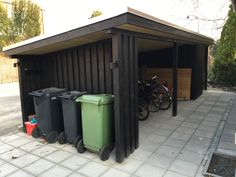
column 84, row 68
column 125, row 73
column 79, row 68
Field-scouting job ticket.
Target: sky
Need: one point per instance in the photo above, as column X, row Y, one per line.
column 62, row 15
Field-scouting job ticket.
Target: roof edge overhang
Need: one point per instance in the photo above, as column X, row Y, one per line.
column 131, row 17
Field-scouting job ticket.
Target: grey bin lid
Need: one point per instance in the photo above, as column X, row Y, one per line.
column 72, row 94
column 48, row 92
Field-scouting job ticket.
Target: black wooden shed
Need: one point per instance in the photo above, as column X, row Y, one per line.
column 103, row 57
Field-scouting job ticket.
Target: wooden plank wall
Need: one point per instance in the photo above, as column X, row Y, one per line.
column 197, row 72
column 125, row 58
column 84, row 68
column 32, row 76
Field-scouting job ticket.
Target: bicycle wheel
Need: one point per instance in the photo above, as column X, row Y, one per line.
column 143, row 112
column 165, row 101
column 154, row 105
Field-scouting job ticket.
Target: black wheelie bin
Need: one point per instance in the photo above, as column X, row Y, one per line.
column 71, row 117
column 48, row 112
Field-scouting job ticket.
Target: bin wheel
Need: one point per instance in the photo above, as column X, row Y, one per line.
column 105, row 153
column 80, row 146
column 62, row 138
column 51, row 137
column 77, row 139
column 36, row 132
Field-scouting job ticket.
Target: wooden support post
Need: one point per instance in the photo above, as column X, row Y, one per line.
column 117, row 84
column 205, row 63
column 175, row 79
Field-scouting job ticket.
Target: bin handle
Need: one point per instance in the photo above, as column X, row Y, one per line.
column 36, row 94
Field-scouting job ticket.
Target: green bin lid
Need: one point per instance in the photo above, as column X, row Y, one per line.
column 100, row 99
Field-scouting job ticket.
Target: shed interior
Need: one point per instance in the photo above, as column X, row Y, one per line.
column 154, row 55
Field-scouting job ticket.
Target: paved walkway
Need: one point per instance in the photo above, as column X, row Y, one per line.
column 228, row 138
column 10, row 111
column 169, row 146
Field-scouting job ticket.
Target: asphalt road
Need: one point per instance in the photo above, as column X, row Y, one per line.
column 10, row 111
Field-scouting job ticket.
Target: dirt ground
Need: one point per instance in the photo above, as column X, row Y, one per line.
column 222, row 166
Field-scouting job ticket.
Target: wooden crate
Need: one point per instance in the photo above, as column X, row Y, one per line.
column 165, row 77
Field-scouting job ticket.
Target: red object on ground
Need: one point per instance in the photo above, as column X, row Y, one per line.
column 29, row 127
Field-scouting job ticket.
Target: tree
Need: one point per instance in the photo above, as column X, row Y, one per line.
column 4, row 26
column 95, row 14
column 25, row 20
column 224, row 67
column 23, row 23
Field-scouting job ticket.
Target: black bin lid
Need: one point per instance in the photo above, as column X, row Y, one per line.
column 49, row 92
column 72, row 94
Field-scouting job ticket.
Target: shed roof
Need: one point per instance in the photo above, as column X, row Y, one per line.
column 131, row 20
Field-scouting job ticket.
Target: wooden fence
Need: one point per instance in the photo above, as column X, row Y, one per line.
column 8, row 73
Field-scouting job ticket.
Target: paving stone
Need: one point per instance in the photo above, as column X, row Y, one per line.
column 76, row 175
column 57, row 171
column 186, row 130
column 180, row 135
column 1, row 162
column 20, row 173
column 174, row 122
column 12, row 154
column 24, row 160
column 196, row 116
column 7, row 169
column 4, row 148
column 115, row 173
column 163, row 132
column 168, row 151
column 207, row 128
column 74, row 162
column 140, row 154
column 44, row 151
column 226, row 137
column 70, row 149
column 169, row 127
column 93, row 169
column 173, row 174
column 129, row 165
column 31, row 146
column 204, row 141
column 149, row 170
column 57, row 145
column 149, row 146
column 183, row 167
column 194, row 121
column 9, row 138
column 175, row 142
column 58, row 156
column 87, row 154
column 190, row 125
column 210, row 123
column 204, row 133
column 19, row 142
column 160, row 161
column 196, row 148
column 39, row 167
column 156, row 138
column 189, row 156
column 227, row 145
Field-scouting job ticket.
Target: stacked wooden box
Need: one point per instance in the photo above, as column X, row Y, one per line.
column 165, row 77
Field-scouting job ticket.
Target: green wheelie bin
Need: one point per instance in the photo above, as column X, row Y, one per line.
column 97, row 124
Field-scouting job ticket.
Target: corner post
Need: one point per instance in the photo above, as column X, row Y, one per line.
column 175, row 78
